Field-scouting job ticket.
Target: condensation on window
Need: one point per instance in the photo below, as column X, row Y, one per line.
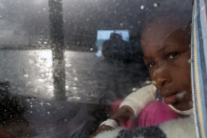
column 64, row 62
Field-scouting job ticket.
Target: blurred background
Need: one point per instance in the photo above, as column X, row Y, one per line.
column 64, row 62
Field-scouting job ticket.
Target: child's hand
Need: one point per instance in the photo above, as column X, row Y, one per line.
column 123, row 114
column 101, row 129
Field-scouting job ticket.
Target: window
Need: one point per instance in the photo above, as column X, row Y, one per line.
column 59, row 76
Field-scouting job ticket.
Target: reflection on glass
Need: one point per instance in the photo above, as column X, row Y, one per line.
column 104, row 35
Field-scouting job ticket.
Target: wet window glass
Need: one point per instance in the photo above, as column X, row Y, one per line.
column 66, row 65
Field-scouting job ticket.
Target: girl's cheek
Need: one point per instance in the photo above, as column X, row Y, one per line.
column 151, row 72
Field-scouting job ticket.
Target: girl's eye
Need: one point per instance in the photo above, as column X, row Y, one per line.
column 151, row 64
column 173, row 55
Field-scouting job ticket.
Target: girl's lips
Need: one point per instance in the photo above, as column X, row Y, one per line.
column 171, row 99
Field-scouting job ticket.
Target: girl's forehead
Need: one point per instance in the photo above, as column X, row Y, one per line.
column 179, row 38
column 157, row 31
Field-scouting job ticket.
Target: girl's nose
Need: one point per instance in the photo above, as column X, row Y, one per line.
column 161, row 77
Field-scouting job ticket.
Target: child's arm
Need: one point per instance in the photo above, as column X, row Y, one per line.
column 140, row 99
column 123, row 114
column 131, row 106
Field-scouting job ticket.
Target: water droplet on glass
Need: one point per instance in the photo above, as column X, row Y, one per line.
column 180, row 95
column 26, row 75
column 142, row 7
column 67, row 87
column 134, row 89
column 31, row 61
column 41, row 80
column 75, row 78
column 155, row 5
column 68, row 65
column 189, row 61
column 153, row 82
column 148, row 82
column 42, row 75
column 191, row 103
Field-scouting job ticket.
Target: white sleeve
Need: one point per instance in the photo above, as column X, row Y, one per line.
column 140, row 99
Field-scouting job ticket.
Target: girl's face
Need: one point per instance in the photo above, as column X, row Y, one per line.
column 169, row 66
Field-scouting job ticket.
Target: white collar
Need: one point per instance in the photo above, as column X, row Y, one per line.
column 187, row 112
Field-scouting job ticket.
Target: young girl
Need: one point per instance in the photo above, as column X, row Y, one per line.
column 166, row 47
